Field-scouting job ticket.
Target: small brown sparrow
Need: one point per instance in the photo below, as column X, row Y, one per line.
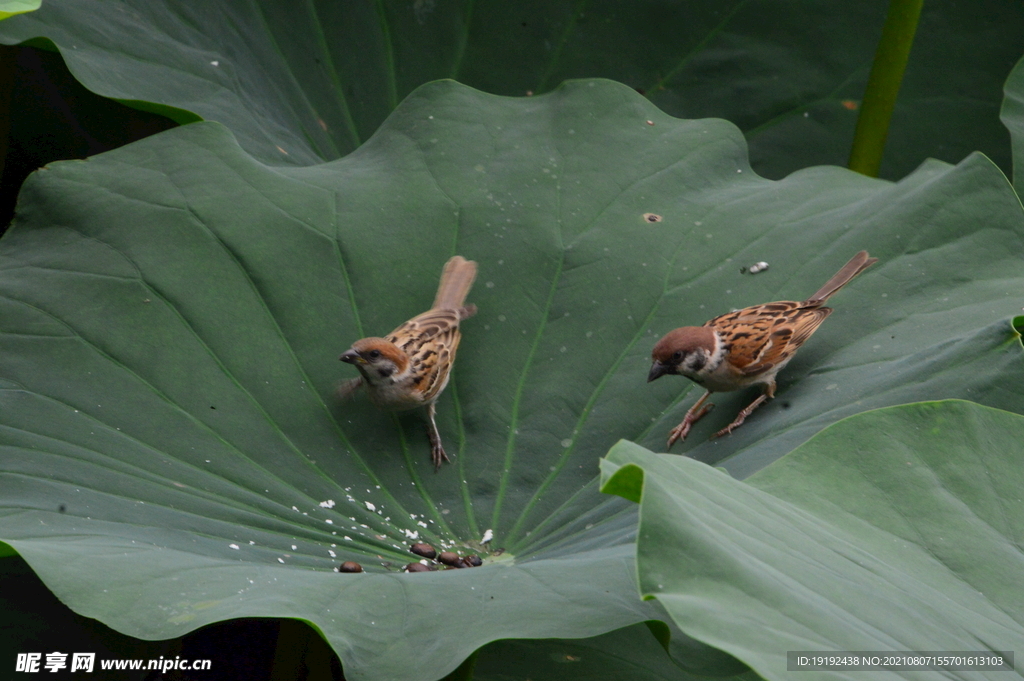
column 410, row 366
column 746, row 347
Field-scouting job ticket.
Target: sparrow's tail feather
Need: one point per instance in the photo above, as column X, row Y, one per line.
column 456, row 280
column 857, row 264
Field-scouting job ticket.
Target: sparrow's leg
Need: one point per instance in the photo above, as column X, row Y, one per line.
column 692, row 416
column 436, row 450
column 346, row 388
column 742, row 416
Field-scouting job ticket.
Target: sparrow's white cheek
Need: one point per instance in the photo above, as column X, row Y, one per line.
column 695, row 361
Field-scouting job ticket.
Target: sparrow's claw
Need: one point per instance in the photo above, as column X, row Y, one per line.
column 728, row 429
column 437, row 455
column 683, row 429
column 742, row 416
column 679, row 432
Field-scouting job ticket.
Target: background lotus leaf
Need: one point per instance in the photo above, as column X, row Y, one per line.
column 893, row 530
column 299, row 84
column 172, row 313
column 9, row 8
column 1012, row 115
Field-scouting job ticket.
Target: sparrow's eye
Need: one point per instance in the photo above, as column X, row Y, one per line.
column 677, row 355
column 373, row 354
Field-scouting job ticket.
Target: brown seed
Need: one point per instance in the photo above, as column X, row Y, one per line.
column 472, row 561
column 423, row 549
column 449, row 558
column 416, row 567
column 350, row 566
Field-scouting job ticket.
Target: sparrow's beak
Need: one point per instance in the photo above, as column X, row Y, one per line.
column 657, row 371
column 352, row 357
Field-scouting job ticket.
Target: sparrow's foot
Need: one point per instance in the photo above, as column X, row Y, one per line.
column 741, row 417
column 437, row 454
column 728, row 429
column 696, row 413
column 680, row 432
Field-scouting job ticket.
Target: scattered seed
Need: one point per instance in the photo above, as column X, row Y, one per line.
column 423, row 549
column 449, row 558
column 416, row 567
column 350, row 566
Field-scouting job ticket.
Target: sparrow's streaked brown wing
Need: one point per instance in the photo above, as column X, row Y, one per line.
column 747, row 332
column 805, row 322
column 760, row 337
column 780, row 333
column 430, row 341
column 423, row 327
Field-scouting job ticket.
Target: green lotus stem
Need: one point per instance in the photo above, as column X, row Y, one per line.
column 884, row 85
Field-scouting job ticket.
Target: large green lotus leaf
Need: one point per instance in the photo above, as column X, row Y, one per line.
column 1012, row 115
column 893, row 530
column 33, row 620
column 631, row 653
column 174, row 451
column 302, row 83
column 8, row 8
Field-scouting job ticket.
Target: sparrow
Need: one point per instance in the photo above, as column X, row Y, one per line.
column 410, row 366
column 746, row 347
